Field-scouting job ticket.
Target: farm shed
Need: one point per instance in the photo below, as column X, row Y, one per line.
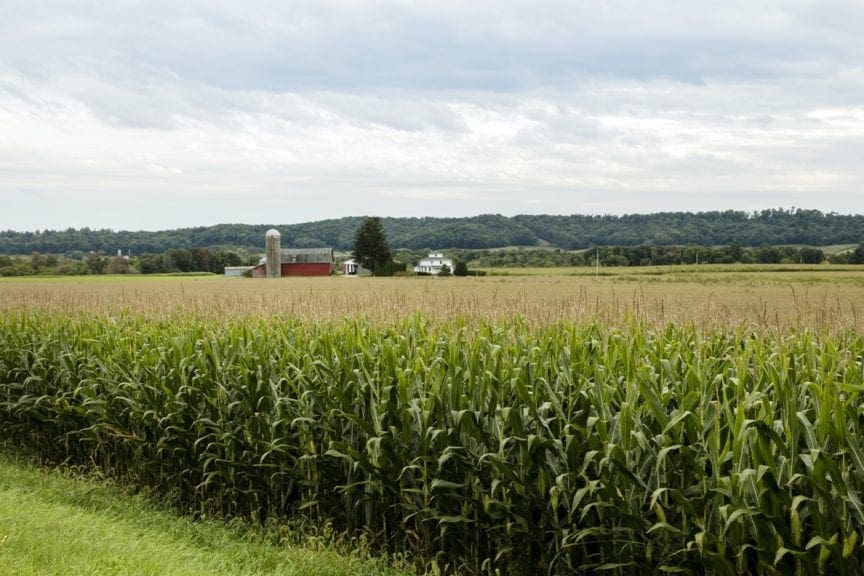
column 236, row 271
column 354, row 268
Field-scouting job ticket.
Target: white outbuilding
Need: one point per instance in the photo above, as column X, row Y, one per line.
column 353, row 268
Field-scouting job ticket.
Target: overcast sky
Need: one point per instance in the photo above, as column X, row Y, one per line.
column 165, row 114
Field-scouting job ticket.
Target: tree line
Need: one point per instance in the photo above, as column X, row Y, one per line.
column 574, row 232
column 642, row 255
column 767, row 227
column 175, row 260
column 179, row 260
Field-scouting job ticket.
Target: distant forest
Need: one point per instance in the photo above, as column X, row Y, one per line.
column 767, row 227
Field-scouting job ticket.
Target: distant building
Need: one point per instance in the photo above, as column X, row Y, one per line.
column 433, row 263
column 292, row 261
column 354, row 268
column 299, row 262
column 236, row 271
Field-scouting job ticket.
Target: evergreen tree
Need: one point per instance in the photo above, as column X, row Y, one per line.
column 370, row 247
column 857, row 256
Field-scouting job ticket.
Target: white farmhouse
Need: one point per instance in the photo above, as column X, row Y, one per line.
column 433, row 263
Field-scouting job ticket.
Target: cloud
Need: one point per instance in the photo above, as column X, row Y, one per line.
column 324, row 108
column 488, row 44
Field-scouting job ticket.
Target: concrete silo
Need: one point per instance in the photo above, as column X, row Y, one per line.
column 273, row 253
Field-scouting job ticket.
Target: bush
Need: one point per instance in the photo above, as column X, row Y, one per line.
column 857, row 257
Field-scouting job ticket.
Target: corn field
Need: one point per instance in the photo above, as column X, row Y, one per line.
column 477, row 447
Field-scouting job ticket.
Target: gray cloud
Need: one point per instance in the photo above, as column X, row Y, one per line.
column 500, row 45
column 439, row 108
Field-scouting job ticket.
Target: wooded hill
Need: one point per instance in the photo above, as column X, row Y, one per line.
column 768, row 227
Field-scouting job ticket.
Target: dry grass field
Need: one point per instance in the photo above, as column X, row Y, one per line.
column 779, row 298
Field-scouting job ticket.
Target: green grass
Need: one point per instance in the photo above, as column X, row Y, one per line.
column 56, row 523
column 829, row 249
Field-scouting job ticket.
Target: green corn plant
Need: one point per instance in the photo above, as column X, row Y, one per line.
column 499, row 447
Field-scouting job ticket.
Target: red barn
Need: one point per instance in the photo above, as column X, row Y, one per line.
column 300, row 262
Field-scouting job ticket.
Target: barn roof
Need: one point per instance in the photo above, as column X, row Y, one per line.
column 307, row 255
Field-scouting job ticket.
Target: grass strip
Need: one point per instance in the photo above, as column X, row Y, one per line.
column 52, row 522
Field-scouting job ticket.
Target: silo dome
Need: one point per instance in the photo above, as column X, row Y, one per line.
column 272, row 233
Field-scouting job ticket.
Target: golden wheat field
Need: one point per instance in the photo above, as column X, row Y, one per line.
column 780, row 298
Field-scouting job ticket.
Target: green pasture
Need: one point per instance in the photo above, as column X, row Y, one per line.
column 64, row 524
